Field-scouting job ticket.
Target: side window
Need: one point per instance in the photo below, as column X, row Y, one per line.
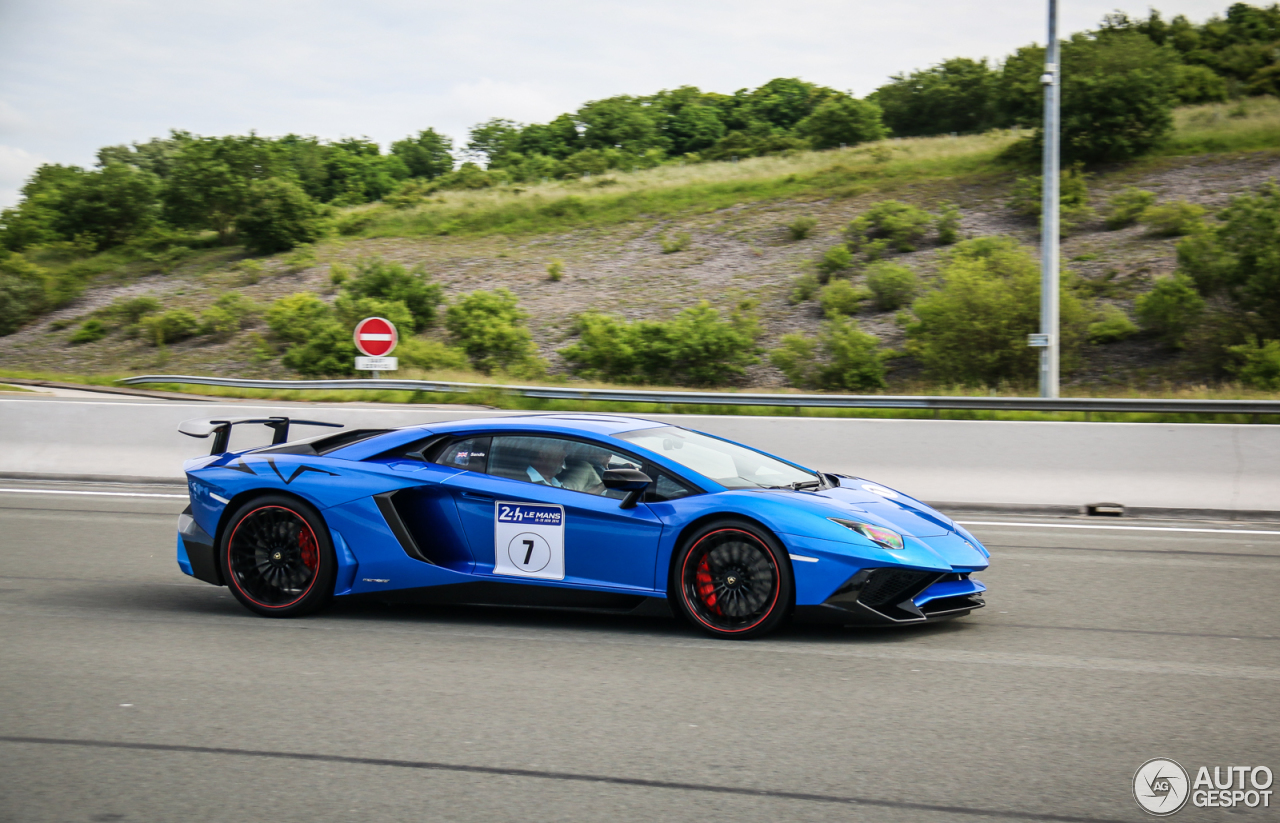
column 471, row 454
column 665, row 487
column 552, row 461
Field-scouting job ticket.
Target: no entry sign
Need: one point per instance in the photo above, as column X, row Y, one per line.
column 375, row 337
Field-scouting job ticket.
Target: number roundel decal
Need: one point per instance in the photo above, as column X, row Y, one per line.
column 528, row 540
column 529, row 552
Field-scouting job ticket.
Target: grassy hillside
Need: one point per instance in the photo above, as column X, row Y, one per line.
column 609, row 231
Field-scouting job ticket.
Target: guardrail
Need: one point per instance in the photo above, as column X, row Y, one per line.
column 839, row 401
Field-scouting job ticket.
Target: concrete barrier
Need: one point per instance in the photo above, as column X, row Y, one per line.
column 1225, row 468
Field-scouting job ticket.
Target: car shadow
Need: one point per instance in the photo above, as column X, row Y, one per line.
column 190, row 599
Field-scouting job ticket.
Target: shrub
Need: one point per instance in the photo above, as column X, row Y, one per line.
column 892, row 286
column 835, row 260
column 90, row 331
column 327, row 350
column 803, row 288
column 800, row 227
column 382, row 280
column 225, row 317
column 903, row 225
column 489, row 327
column 170, row 327
column 425, row 353
column 840, row 298
column 350, row 310
column 1125, row 207
column 973, row 330
column 296, row 318
column 22, row 293
column 948, row 224
column 680, row 242
column 842, row 358
column 1240, row 260
column 1073, row 198
column 1112, row 326
column 1171, row 309
column 555, row 270
column 1257, row 363
column 698, row 347
column 130, row 312
column 1173, row 219
column 252, row 271
column 1199, row 84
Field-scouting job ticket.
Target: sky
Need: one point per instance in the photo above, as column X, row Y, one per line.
column 76, row 75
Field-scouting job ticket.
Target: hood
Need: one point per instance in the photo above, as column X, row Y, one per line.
column 904, row 513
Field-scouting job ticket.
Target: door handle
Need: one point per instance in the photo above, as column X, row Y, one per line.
column 475, row 496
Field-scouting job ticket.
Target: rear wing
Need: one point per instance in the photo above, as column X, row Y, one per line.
column 221, row 429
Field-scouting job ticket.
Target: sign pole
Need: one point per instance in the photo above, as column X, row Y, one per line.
column 1049, row 229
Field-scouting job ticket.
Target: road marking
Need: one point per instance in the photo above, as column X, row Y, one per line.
column 1113, row 528
column 94, row 494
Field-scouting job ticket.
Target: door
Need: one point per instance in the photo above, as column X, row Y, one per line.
column 541, row 513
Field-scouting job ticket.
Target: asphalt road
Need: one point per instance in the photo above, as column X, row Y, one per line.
column 130, row 692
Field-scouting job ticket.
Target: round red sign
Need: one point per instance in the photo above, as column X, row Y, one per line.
column 375, row 337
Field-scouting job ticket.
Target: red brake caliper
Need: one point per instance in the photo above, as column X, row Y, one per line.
column 310, row 551
column 706, row 589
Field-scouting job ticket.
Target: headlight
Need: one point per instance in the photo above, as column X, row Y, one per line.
column 883, row 537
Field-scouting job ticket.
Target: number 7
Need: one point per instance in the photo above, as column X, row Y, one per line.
column 528, row 554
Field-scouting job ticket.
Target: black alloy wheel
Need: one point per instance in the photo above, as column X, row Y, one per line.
column 733, row 581
column 277, row 557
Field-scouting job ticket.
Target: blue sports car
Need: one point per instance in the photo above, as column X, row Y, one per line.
column 577, row 511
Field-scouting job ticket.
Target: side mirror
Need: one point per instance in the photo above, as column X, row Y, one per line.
column 632, row 481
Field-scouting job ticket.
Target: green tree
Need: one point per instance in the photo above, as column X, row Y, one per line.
column 277, row 216
column 428, row 155
column 621, row 122
column 973, row 330
column 109, row 205
column 958, row 95
column 491, row 140
column 783, row 102
column 490, row 327
column 842, row 121
column 208, row 184
column 357, row 172
column 1118, row 94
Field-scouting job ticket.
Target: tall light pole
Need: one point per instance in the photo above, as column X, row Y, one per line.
column 1048, row 337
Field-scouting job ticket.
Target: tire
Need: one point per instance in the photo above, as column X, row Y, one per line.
column 277, row 558
column 733, row 580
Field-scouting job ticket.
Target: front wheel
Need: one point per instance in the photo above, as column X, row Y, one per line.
column 732, row 580
column 277, row 557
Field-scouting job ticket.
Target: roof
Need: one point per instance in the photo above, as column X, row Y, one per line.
column 598, row 424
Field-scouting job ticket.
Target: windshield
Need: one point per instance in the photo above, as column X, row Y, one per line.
column 730, row 465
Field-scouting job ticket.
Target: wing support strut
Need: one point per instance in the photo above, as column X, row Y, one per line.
column 221, row 429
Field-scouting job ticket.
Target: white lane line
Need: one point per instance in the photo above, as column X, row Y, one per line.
column 1113, row 528
column 94, row 494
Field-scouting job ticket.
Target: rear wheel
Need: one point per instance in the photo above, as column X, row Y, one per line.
column 732, row 580
column 277, row 557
